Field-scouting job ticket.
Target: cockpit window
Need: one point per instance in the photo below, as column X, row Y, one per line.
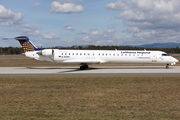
column 165, row 55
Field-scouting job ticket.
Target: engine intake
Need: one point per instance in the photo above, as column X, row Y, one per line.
column 46, row 52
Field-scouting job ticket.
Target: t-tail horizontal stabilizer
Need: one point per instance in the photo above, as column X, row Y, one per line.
column 26, row 44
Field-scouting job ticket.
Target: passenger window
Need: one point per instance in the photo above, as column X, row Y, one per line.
column 76, row 53
column 80, row 53
column 113, row 54
column 121, row 54
column 62, row 53
column 69, row 53
column 84, row 53
column 65, row 53
column 117, row 54
column 109, row 54
column 73, row 54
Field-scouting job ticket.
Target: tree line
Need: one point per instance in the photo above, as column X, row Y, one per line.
column 10, row 50
column 18, row 50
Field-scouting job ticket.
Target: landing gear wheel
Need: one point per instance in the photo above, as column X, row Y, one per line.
column 84, row 67
column 167, row 66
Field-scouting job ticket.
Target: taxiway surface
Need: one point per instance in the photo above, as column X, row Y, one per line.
column 101, row 71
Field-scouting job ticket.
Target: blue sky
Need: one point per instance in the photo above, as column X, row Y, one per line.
column 90, row 22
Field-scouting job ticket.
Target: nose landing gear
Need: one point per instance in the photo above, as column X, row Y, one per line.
column 167, row 66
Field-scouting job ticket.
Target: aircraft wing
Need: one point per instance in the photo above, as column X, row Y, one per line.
column 81, row 61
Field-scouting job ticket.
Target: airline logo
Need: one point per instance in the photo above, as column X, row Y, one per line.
column 127, row 52
column 27, row 47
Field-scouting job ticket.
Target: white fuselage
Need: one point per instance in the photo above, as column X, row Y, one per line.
column 102, row 56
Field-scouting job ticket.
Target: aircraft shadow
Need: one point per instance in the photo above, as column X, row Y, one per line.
column 74, row 69
column 46, row 68
column 129, row 67
column 92, row 68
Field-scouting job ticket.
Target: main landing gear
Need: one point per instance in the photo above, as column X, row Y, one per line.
column 83, row 67
column 167, row 66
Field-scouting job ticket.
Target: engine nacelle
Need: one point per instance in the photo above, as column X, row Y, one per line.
column 47, row 52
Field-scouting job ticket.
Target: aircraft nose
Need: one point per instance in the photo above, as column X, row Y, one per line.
column 175, row 60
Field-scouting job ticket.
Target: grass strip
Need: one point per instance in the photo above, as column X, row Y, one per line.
column 110, row 98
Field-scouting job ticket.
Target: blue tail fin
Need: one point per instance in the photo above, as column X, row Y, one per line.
column 26, row 44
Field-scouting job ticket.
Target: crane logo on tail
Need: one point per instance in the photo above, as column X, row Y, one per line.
column 27, row 47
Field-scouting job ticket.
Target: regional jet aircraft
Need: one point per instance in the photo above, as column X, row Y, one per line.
column 87, row 57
